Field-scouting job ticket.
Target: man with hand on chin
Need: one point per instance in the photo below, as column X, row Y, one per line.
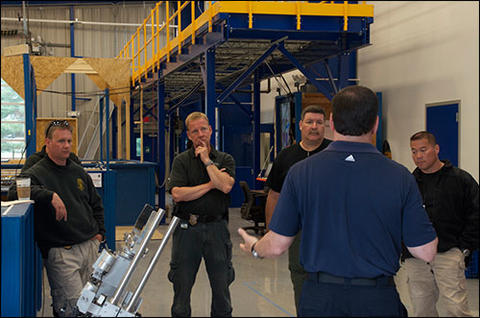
column 200, row 182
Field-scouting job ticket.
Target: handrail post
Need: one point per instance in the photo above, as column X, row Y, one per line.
column 144, row 46
column 194, row 26
column 157, row 34
column 138, row 51
column 133, row 60
column 168, row 31
column 179, row 26
column 250, row 15
column 153, row 34
column 345, row 15
column 297, row 3
column 210, row 16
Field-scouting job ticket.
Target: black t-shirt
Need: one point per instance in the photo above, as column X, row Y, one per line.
column 287, row 158
column 189, row 171
column 428, row 189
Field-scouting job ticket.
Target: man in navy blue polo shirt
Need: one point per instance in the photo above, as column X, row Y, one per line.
column 353, row 225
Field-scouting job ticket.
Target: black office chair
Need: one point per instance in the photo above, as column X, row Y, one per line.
column 251, row 211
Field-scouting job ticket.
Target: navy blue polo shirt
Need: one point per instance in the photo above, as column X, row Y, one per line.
column 354, row 207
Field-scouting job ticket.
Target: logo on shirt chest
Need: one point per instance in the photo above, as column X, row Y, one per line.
column 80, row 184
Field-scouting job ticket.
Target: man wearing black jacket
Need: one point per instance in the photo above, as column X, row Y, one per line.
column 69, row 220
column 450, row 196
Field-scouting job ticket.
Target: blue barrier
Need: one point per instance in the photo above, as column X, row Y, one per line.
column 21, row 263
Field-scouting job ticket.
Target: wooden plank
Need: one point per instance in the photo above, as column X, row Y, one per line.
column 80, row 66
column 16, row 50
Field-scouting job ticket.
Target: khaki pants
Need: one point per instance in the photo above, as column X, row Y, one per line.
column 68, row 270
column 444, row 277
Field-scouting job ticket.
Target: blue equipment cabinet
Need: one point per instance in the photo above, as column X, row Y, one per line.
column 132, row 186
column 21, row 263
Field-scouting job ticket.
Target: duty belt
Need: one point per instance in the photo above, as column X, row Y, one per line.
column 195, row 218
column 322, row 277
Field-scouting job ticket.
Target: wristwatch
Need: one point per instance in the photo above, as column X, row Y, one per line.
column 209, row 163
column 255, row 253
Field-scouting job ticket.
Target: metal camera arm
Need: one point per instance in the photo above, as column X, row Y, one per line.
column 105, row 294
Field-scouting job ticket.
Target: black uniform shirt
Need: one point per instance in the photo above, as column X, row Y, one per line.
column 287, row 158
column 189, row 171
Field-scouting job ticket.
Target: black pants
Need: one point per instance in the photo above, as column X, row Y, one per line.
column 298, row 275
column 327, row 299
column 210, row 241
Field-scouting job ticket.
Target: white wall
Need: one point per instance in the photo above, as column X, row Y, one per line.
column 424, row 52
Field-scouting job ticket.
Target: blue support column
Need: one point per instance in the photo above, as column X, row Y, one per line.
column 330, row 76
column 210, row 100
column 161, row 142
column 114, row 133
column 100, row 115
column 107, row 128
column 343, row 70
column 110, row 206
column 72, row 54
column 256, row 128
column 297, row 100
column 30, row 125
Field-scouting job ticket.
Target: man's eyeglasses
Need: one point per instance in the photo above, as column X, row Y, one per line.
column 57, row 123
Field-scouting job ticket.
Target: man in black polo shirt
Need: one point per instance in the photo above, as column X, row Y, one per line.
column 353, row 223
column 200, row 181
column 312, row 127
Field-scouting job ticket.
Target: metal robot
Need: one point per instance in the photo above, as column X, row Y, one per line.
column 106, row 295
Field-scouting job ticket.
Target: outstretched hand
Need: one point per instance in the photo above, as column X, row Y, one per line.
column 249, row 240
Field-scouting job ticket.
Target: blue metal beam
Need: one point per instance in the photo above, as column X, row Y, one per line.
column 235, row 100
column 330, row 76
column 210, row 94
column 30, row 130
column 72, row 54
column 245, row 74
column 114, row 133
column 343, row 70
column 256, row 127
column 308, row 74
column 161, row 142
column 100, row 114
column 107, row 128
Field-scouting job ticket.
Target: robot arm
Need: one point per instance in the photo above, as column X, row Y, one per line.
column 105, row 294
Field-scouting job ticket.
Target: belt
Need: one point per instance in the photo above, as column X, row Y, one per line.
column 322, row 277
column 195, row 218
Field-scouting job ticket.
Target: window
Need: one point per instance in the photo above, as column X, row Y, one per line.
column 13, row 123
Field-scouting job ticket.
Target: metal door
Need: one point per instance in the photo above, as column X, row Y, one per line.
column 442, row 121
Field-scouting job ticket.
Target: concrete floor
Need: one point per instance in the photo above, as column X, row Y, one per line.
column 262, row 288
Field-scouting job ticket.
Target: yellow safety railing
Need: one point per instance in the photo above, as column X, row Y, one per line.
column 146, row 53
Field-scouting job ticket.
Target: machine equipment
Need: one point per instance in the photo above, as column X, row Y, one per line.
column 106, row 294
